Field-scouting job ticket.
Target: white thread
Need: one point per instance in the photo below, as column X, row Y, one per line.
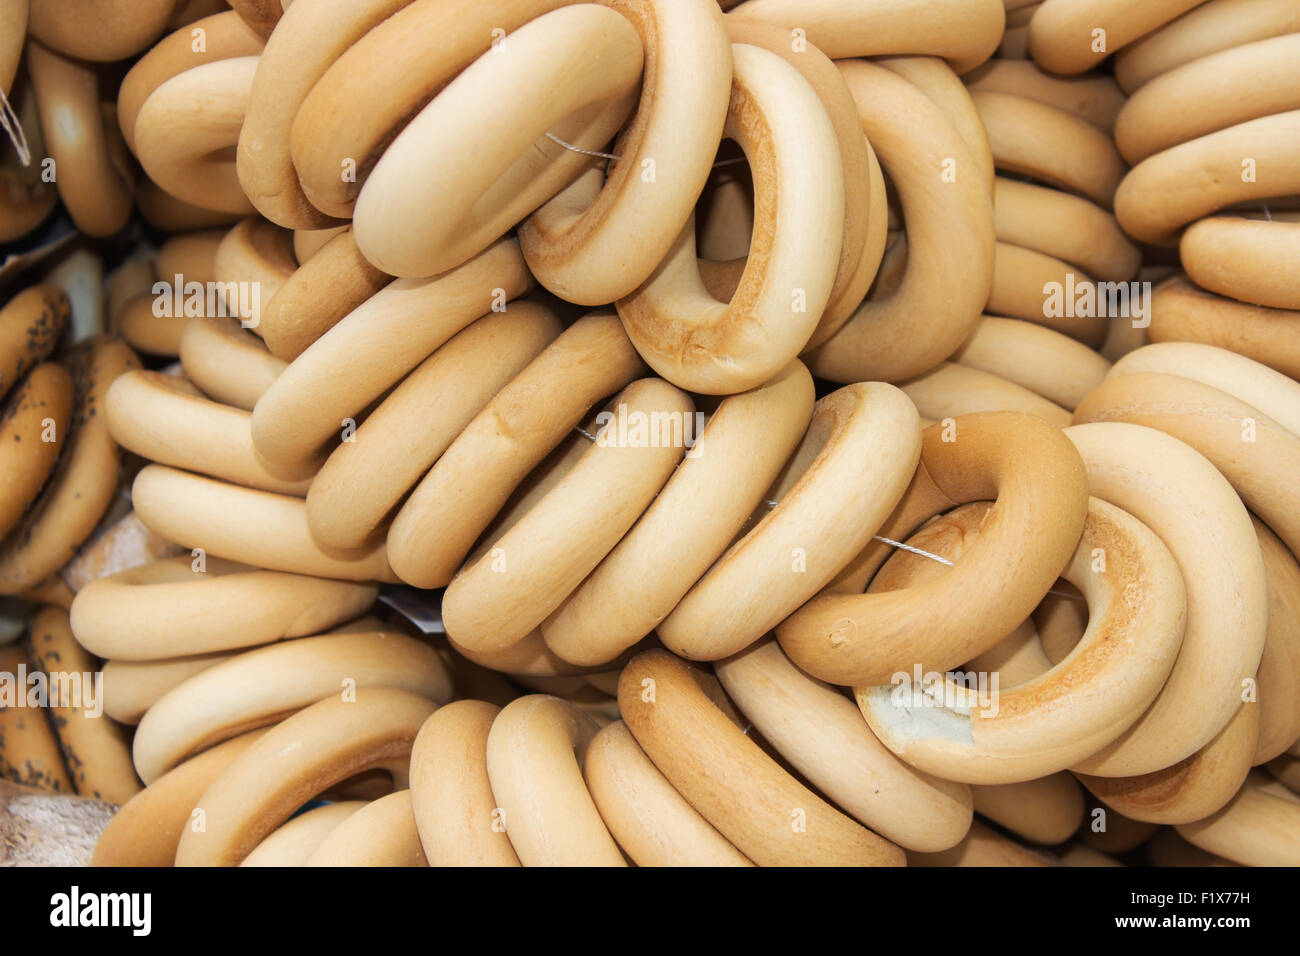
column 611, row 156
column 584, row 433
column 10, row 124
column 579, row 149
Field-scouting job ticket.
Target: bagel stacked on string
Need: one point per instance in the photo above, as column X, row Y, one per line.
column 638, row 432
column 1213, row 102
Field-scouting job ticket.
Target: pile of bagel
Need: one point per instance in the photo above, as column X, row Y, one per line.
column 330, row 333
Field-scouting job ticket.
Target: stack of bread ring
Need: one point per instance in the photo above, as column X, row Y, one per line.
column 634, row 432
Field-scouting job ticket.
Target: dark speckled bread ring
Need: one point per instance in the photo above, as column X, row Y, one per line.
column 82, row 485
column 95, row 748
column 32, row 433
column 30, row 326
column 29, row 753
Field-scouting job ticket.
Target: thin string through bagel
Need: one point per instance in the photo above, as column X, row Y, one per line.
column 14, row 128
column 614, row 157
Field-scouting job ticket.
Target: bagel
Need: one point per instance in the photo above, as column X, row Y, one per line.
column 846, row 637
column 169, row 609
column 571, row 72
column 265, row 685
column 302, row 756
column 685, row 334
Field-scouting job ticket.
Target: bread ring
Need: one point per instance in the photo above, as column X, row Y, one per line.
column 950, row 234
column 301, row 757
column 964, row 33
column 1195, row 787
column 675, row 323
column 275, row 681
column 1063, row 33
column 1065, row 226
column 756, row 805
column 293, row 842
column 163, row 419
column 424, row 209
column 381, row 833
column 30, row 755
column 1164, row 193
column 531, row 658
column 593, row 249
column 33, row 431
column 1030, row 138
column 689, row 525
column 95, row 187
column 169, row 214
column 31, row 324
column 1047, row 810
column 83, row 482
column 1279, row 704
column 863, row 430
column 451, row 796
column 825, row 738
column 318, row 295
column 94, row 748
column 132, row 687
column 1257, row 455
column 227, row 363
column 851, row 638
column 1205, row 30
column 535, row 751
column 259, row 256
column 1211, row 93
column 168, row 609
column 1021, row 281
column 1260, row 827
column 1248, row 260
column 1272, row 393
column 99, row 30
column 452, row 505
column 1096, row 98
column 208, row 103
column 308, row 242
column 373, row 347
column 1133, row 636
column 651, row 821
column 253, row 527
column 949, row 390
column 1182, row 312
column 13, row 27
column 935, row 79
column 1156, row 478
column 225, row 36
column 384, row 79
column 146, row 830
column 146, row 332
column 350, row 497
column 1042, row 360
column 296, row 55
column 530, row 567
column 983, row 846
